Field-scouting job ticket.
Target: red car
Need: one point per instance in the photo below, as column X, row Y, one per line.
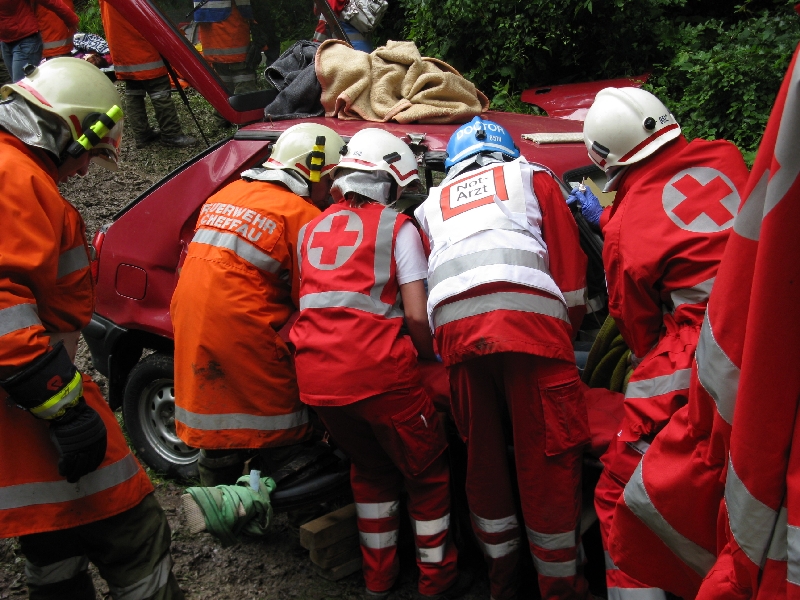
column 136, row 278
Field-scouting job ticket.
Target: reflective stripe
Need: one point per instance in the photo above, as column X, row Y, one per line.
column 140, row 67
column 493, row 256
column 778, row 546
column 748, row 221
column 656, row 386
column 495, row 525
column 551, row 541
column 218, row 422
column 354, row 300
column 640, row 446
column 300, row 237
column 432, row 527
column 575, row 298
column 238, row 78
column 480, row 305
column 383, row 252
column 18, row 317
column 239, row 247
column 148, row 586
column 224, row 51
column 432, row 555
column 56, row 44
column 616, row 593
column 637, row 499
column 66, row 396
column 376, row 541
column 499, row 550
column 567, row 568
column 377, row 510
column 793, row 555
column 716, row 372
column 751, row 521
column 51, row 492
column 610, row 566
column 696, row 294
column 71, row 261
column 213, row 4
column 57, row 572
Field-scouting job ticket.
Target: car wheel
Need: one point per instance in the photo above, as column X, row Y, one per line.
column 148, row 408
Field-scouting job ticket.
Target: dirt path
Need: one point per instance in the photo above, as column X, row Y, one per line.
column 273, row 568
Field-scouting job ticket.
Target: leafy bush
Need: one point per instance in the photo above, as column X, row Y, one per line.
column 89, row 17
column 722, row 79
column 523, row 42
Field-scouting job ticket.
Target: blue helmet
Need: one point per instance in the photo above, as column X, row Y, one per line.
column 479, row 136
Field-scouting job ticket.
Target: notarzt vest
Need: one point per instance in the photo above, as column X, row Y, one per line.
column 484, row 229
column 348, row 338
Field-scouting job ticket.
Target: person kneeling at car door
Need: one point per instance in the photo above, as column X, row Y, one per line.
column 362, row 271
column 507, row 284
column 235, row 385
column 69, row 486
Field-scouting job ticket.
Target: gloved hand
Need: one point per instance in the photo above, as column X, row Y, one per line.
column 80, row 437
column 590, row 205
column 253, row 57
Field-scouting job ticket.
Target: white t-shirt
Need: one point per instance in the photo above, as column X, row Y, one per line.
column 409, row 255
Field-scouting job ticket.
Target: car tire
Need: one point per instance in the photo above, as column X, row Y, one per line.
column 148, row 408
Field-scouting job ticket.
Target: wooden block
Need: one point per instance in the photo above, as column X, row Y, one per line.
column 337, row 554
column 337, row 573
column 329, row 529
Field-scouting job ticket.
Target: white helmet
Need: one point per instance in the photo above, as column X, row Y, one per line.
column 309, row 149
column 374, row 149
column 83, row 98
column 626, row 125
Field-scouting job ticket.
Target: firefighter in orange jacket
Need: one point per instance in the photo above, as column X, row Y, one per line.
column 140, row 66
column 663, row 241
column 56, row 34
column 77, row 494
column 235, row 385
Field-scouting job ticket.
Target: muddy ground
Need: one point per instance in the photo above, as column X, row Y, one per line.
column 275, row 567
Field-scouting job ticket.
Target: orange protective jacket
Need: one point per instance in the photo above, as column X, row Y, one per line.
column 134, row 57
column 235, row 383
column 56, row 34
column 46, row 288
column 225, row 41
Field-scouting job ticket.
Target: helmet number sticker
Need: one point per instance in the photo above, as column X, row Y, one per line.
column 478, row 190
column 334, row 240
column 701, row 199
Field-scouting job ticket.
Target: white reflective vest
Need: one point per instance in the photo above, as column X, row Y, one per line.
column 484, row 226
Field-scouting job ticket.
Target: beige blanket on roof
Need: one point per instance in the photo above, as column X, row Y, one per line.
column 393, row 83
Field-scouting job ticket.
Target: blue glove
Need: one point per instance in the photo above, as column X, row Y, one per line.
column 590, row 205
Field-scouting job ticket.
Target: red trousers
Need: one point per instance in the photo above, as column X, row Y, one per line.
column 619, row 463
column 550, row 429
column 392, row 439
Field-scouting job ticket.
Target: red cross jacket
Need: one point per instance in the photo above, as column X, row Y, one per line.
column 664, row 238
column 348, row 338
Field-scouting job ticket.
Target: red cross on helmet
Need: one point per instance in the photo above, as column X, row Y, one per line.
column 626, row 125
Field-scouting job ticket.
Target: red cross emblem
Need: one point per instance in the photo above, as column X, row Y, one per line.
column 701, row 199
column 334, row 240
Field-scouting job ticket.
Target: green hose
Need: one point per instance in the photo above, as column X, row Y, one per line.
column 607, row 365
column 220, row 507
